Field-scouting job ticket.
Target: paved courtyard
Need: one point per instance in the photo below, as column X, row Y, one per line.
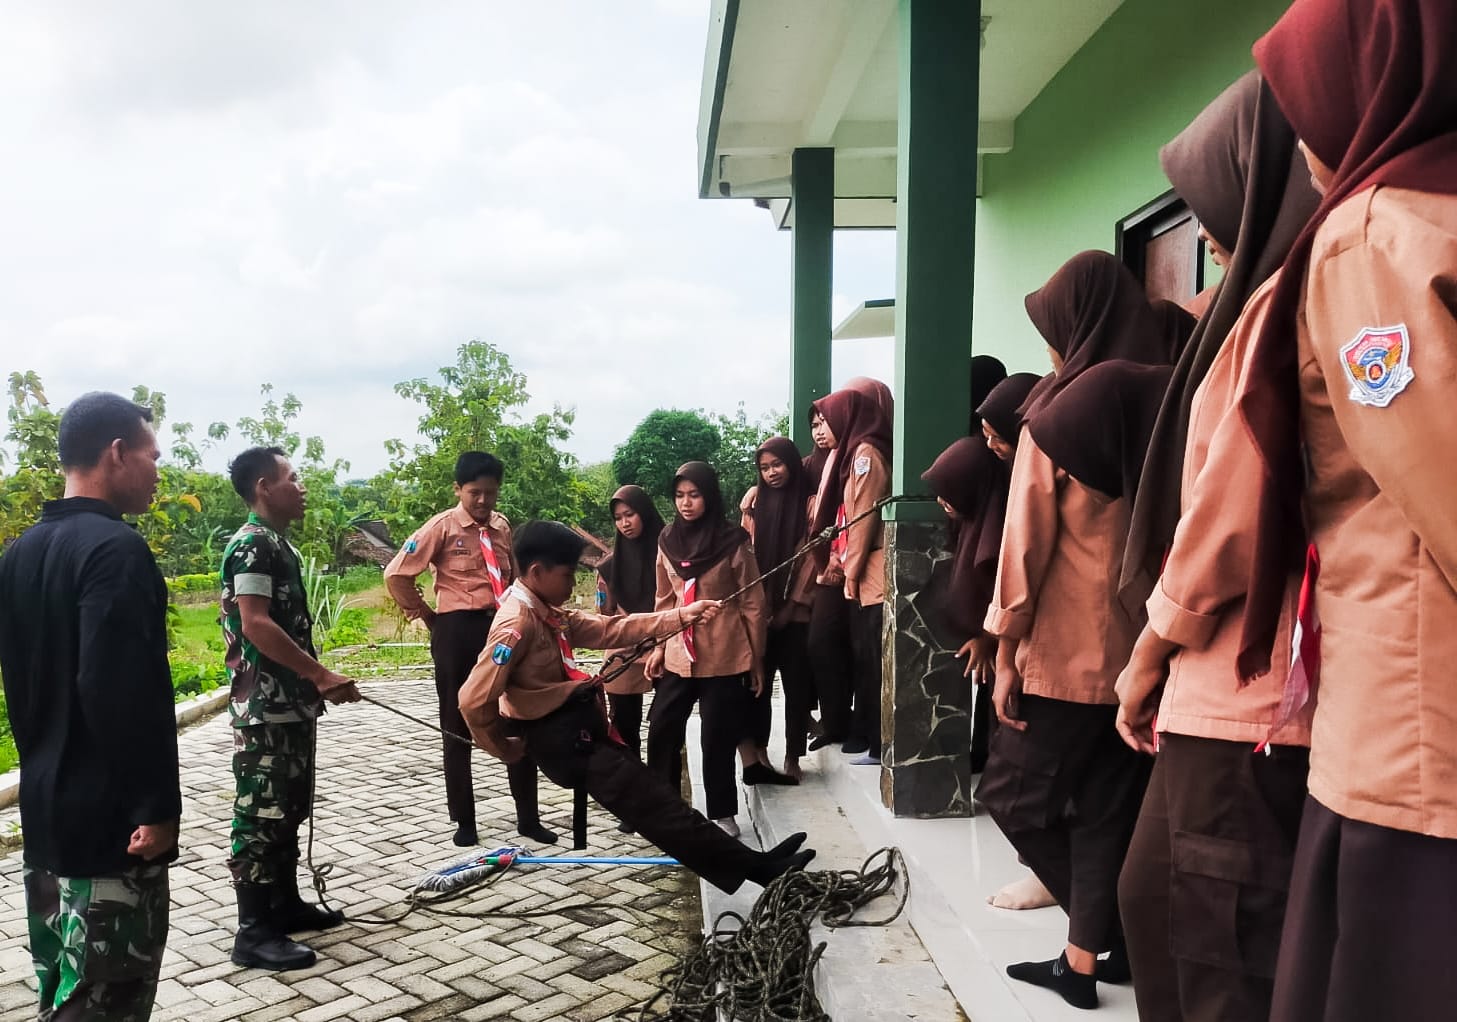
column 380, row 820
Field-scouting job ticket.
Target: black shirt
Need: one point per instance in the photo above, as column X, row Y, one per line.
column 83, row 649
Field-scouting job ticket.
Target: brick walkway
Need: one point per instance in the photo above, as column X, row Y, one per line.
column 381, row 821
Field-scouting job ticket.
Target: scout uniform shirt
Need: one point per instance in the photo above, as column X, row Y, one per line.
column 526, row 669
column 864, row 558
column 260, row 562
column 1378, row 387
column 450, row 545
column 730, row 644
column 1199, row 602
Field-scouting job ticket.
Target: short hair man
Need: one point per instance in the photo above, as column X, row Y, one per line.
column 468, row 549
column 278, row 691
column 526, row 697
column 83, row 648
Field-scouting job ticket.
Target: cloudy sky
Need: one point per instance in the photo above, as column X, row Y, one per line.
column 332, row 196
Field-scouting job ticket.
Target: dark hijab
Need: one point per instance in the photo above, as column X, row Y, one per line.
column 986, row 372
column 780, row 521
column 974, row 481
column 1002, row 407
column 854, row 419
column 1177, row 325
column 1237, row 167
column 1090, row 311
column 1369, row 86
column 696, row 546
column 631, row 570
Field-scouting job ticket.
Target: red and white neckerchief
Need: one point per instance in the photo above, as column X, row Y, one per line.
column 690, row 593
column 557, row 622
column 841, row 543
column 1304, row 653
column 493, row 567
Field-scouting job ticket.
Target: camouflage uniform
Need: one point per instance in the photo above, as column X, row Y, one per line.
column 97, row 943
column 273, row 710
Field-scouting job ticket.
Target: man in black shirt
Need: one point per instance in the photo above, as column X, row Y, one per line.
column 83, row 650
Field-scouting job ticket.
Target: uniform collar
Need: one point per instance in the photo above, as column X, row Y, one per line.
column 462, row 517
column 79, row 505
column 534, row 603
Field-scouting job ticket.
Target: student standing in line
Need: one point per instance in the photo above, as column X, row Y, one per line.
column 526, row 696
column 717, row 665
column 829, row 613
column 1064, row 633
column 987, row 373
column 1369, row 293
column 860, row 434
column 1202, row 891
column 1001, row 413
column 780, row 529
column 627, row 583
column 468, row 550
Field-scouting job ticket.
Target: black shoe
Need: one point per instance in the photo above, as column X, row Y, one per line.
column 465, row 836
column 787, row 847
column 758, row 773
column 623, row 827
column 821, row 741
column 771, row 866
column 1076, row 989
column 537, row 833
column 292, row 914
column 855, row 747
column 1115, row 968
column 260, row 944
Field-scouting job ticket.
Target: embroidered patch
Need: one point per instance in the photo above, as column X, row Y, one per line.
column 501, row 655
column 411, row 547
column 1377, row 362
column 861, row 466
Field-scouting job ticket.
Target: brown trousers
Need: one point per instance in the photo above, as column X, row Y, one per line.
column 1203, row 889
column 1066, row 793
column 1371, row 925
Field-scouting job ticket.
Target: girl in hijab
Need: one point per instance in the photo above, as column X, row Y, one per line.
column 780, row 529
column 627, row 583
column 1064, row 632
column 1218, row 823
column 718, row 665
column 1000, row 413
column 987, row 371
column 1369, row 294
column 859, row 433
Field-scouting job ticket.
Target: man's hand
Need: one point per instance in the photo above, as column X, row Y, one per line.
column 852, row 589
column 652, row 667
column 756, row 680
column 1138, row 689
column 510, row 750
column 981, row 657
column 335, row 687
column 427, row 618
column 1008, row 688
column 153, row 840
column 702, row 611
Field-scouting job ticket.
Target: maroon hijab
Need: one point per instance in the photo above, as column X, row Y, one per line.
column 854, row 419
column 974, row 481
column 694, row 547
column 631, row 570
column 1237, row 167
column 1090, row 311
column 780, row 523
column 1369, row 86
column 1003, row 406
column 986, row 372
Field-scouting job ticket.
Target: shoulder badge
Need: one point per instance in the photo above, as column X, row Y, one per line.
column 411, row 546
column 1377, row 361
column 501, row 654
column 862, row 465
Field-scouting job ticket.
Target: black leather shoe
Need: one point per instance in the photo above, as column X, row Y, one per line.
column 260, row 944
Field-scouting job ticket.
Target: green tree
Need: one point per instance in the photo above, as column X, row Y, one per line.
column 739, row 440
column 598, row 483
column 33, row 436
column 660, row 443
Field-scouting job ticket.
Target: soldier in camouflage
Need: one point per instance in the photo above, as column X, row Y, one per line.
column 278, row 691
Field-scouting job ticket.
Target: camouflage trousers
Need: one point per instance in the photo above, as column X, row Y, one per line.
column 97, row 943
column 273, row 771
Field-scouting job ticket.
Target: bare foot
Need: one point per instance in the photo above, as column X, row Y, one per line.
column 1022, row 894
column 792, row 768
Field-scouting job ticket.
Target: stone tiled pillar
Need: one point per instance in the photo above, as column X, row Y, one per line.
column 925, row 702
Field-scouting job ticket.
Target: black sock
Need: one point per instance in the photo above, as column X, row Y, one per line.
column 1115, row 968
column 771, row 867
column 465, row 835
column 537, row 833
column 1076, row 989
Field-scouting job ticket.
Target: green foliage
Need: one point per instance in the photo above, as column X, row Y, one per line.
column 598, row 484
column 666, row 439
column 351, row 629
column 33, row 432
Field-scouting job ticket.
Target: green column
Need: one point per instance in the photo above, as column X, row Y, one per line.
column 940, row 56
column 813, row 197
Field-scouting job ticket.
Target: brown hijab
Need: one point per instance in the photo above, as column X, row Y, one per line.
column 694, row 547
column 1002, row 407
column 780, row 523
column 1090, row 311
column 986, row 372
column 855, row 420
column 1368, row 85
column 974, row 481
column 1177, row 325
column 1237, row 167
column 877, row 392
column 631, row 570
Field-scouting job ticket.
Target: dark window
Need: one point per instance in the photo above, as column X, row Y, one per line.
column 1160, row 244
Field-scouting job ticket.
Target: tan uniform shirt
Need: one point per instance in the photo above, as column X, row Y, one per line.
column 864, row 560
column 1199, row 602
column 1057, row 582
column 633, row 681
column 532, row 681
column 1381, row 503
column 449, row 545
column 731, row 643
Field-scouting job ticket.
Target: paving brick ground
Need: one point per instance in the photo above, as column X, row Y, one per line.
column 381, row 822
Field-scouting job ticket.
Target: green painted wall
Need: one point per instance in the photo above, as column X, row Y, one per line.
column 1086, row 150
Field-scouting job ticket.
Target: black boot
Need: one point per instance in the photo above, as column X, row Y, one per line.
column 292, row 914
column 260, row 944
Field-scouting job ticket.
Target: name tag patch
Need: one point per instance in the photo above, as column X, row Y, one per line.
column 862, row 465
column 501, row 654
column 1377, row 362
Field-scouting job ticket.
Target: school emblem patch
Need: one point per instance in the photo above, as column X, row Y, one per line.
column 1378, row 363
column 411, row 547
column 861, row 466
column 501, row 654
